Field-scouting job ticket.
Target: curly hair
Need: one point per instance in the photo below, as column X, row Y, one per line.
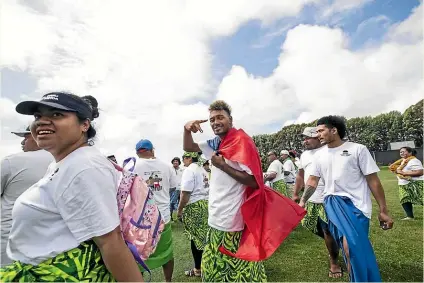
column 220, row 105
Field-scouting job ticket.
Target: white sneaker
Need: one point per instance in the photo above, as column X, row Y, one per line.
column 407, row 218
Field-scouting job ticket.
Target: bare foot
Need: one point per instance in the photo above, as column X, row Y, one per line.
column 335, row 271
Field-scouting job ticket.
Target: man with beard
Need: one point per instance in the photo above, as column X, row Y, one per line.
column 350, row 176
column 316, row 219
column 236, row 183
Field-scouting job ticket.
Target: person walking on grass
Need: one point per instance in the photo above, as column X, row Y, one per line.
column 275, row 174
column 289, row 170
column 350, row 175
column 316, row 218
column 409, row 171
column 238, row 203
column 175, row 194
column 161, row 176
column 193, row 209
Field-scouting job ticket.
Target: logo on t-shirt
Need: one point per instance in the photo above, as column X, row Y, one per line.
column 205, row 182
column 153, row 180
column 345, row 153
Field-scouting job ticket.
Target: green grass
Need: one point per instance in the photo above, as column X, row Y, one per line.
column 303, row 256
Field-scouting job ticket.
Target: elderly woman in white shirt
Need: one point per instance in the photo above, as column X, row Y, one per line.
column 409, row 170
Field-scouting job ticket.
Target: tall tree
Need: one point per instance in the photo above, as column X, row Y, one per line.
column 413, row 123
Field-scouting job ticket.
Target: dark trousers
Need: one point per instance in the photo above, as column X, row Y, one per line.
column 197, row 255
column 407, row 206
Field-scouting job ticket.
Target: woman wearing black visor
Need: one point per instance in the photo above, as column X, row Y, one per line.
column 66, row 226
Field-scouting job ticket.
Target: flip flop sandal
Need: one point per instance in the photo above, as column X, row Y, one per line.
column 334, row 273
column 192, row 273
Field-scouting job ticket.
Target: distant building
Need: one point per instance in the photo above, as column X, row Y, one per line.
column 399, row 145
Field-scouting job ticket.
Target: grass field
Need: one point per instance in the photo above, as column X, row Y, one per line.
column 303, row 257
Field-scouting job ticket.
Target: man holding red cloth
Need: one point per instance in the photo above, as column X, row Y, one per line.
column 248, row 221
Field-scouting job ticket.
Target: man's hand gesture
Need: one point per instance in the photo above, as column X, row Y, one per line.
column 194, row 126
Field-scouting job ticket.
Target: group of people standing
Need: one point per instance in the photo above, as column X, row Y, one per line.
column 65, row 226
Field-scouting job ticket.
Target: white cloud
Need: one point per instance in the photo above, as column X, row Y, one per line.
column 410, row 30
column 377, row 20
column 150, row 64
column 318, row 75
column 340, row 6
column 10, row 121
column 143, row 61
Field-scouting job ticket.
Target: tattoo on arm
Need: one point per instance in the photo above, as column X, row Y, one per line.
column 309, row 191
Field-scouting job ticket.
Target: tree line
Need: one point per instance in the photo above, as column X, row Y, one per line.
column 374, row 132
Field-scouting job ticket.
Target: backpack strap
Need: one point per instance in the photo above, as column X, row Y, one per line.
column 138, row 259
column 128, row 160
column 117, row 167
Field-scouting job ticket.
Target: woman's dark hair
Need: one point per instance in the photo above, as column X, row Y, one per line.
column 334, row 122
column 412, row 151
column 195, row 159
column 291, row 153
column 92, row 103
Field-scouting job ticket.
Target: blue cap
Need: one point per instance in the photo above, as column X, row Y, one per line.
column 144, row 144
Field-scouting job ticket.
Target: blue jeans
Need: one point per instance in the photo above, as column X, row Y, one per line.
column 175, row 199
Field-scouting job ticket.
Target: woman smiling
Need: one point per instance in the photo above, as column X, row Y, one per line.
column 66, row 226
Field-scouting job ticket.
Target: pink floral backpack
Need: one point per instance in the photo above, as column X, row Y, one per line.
column 141, row 221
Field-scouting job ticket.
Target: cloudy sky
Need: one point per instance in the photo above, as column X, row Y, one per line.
column 153, row 65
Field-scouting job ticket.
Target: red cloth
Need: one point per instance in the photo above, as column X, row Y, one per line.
column 269, row 216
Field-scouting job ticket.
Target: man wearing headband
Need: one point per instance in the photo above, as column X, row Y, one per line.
column 159, row 176
column 19, row 172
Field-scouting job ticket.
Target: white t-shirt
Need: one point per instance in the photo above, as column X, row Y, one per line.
column 226, row 196
column 277, row 167
column 74, row 202
column 18, row 173
column 160, row 177
column 288, row 165
column 413, row 164
column 192, row 181
column 179, row 174
column 306, row 160
column 343, row 170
